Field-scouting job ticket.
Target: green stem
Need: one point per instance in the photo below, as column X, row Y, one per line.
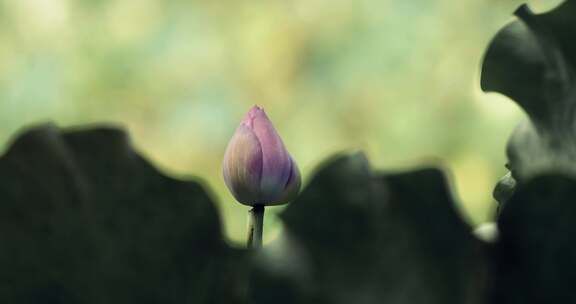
column 255, row 229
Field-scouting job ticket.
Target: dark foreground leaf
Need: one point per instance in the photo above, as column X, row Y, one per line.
column 536, row 256
column 353, row 237
column 85, row 219
column 532, row 61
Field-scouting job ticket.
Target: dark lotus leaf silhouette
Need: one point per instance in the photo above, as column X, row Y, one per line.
column 85, row 219
column 356, row 237
column 533, row 61
column 536, row 256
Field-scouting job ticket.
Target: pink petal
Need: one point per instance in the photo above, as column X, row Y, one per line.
column 276, row 163
column 242, row 167
column 292, row 185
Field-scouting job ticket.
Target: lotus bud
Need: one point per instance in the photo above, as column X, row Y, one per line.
column 257, row 168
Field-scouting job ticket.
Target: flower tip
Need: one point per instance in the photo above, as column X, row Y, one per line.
column 255, row 113
column 255, row 110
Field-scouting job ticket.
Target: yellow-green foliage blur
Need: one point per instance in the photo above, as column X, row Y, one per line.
column 398, row 79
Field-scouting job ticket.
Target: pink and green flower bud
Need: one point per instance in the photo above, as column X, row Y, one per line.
column 257, row 168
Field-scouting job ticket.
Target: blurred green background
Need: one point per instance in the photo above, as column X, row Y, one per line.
column 398, row 79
